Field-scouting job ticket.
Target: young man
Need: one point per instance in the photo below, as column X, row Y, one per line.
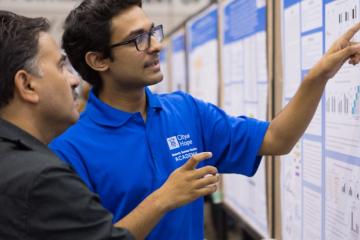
column 129, row 140
column 40, row 196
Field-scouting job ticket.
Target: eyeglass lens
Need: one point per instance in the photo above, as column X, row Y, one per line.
column 143, row 41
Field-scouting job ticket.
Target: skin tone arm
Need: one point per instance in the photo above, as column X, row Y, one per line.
column 289, row 125
column 184, row 185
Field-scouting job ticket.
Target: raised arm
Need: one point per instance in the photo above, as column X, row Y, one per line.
column 289, row 125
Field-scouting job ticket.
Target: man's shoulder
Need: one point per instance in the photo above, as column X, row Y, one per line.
column 178, row 99
column 174, row 95
column 184, row 103
column 19, row 168
column 33, row 161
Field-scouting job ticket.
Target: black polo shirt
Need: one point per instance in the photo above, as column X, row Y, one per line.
column 42, row 198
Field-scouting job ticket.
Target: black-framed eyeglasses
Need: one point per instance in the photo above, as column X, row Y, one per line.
column 143, row 41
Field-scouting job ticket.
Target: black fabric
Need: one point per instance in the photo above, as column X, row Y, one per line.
column 42, row 198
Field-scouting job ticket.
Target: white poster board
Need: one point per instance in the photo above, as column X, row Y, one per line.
column 245, row 93
column 320, row 179
column 202, row 47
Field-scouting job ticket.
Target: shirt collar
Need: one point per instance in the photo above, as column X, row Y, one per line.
column 152, row 99
column 11, row 133
column 106, row 115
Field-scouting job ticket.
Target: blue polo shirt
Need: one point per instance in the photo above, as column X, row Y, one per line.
column 124, row 159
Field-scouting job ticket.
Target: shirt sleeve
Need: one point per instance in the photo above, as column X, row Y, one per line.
column 62, row 208
column 234, row 141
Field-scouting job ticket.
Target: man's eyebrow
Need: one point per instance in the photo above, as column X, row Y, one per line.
column 62, row 59
column 138, row 31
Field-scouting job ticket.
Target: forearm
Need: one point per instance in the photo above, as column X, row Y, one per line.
column 184, row 185
column 286, row 129
column 145, row 216
column 290, row 124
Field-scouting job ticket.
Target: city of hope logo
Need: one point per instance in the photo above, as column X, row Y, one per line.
column 173, row 143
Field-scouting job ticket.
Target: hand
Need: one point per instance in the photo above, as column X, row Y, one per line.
column 341, row 51
column 186, row 183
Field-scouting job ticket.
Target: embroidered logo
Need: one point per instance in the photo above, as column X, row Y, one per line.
column 173, row 143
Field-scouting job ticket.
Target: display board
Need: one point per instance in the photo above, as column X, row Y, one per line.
column 320, row 178
column 202, row 48
column 178, row 61
column 244, row 69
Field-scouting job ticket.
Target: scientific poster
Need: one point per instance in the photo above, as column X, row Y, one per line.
column 320, row 177
column 202, row 47
column 178, row 61
column 245, row 93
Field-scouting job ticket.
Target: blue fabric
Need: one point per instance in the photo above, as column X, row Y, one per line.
column 124, row 159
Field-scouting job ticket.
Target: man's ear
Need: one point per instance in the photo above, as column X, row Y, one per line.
column 96, row 61
column 25, row 86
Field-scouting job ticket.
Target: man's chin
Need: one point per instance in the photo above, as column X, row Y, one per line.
column 155, row 80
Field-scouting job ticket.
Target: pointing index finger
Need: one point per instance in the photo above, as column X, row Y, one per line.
column 351, row 32
column 196, row 159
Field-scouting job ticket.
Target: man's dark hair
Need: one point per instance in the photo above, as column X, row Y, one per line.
column 19, row 40
column 88, row 28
